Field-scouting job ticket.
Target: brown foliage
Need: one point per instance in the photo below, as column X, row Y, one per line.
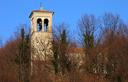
column 8, row 68
column 107, row 59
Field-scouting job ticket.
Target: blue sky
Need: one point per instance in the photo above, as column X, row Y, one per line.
column 14, row 13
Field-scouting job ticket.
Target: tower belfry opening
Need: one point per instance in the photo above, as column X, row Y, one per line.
column 46, row 25
column 39, row 24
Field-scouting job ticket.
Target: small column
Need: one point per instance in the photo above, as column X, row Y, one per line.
column 50, row 26
column 35, row 25
column 42, row 25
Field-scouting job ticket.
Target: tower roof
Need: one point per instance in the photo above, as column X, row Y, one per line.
column 43, row 11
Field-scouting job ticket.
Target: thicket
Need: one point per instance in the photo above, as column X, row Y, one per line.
column 104, row 42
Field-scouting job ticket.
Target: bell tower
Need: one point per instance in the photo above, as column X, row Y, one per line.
column 41, row 21
column 41, row 34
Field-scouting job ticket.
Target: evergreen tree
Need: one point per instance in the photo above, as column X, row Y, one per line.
column 23, row 58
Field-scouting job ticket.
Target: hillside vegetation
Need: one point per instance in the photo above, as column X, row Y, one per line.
column 104, row 44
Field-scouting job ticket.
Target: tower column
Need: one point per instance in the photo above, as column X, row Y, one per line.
column 50, row 25
column 42, row 25
column 35, row 25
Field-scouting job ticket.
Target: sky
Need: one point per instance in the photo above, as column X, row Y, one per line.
column 14, row 13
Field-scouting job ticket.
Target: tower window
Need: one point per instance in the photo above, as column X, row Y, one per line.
column 39, row 24
column 46, row 25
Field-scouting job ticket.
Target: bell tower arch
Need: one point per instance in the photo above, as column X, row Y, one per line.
column 39, row 24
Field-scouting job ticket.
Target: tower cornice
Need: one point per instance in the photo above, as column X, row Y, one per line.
column 42, row 11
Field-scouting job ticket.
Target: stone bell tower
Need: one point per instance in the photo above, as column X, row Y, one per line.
column 41, row 34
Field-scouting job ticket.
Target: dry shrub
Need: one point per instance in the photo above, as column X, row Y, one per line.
column 8, row 68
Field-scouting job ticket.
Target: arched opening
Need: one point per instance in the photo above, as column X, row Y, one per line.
column 39, row 24
column 46, row 25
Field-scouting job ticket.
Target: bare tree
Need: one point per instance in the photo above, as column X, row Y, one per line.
column 60, row 49
column 1, row 43
column 113, row 49
column 87, row 26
